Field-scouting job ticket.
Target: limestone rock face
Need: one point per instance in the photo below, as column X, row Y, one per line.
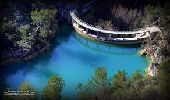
column 154, row 54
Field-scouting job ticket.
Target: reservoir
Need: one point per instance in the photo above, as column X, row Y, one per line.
column 75, row 59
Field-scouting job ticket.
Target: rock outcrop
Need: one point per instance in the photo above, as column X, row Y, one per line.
column 153, row 51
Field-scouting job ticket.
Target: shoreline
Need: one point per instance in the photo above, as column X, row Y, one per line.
column 151, row 69
column 31, row 54
column 28, row 57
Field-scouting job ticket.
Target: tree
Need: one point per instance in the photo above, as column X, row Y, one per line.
column 148, row 15
column 43, row 16
column 26, row 91
column 105, row 24
column 26, row 40
column 126, row 19
column 100, row 82
column 164, row 80
column 46, row 19
column 137, row 76
column 120, row 87
column 118, row 80
column 30, row 89
column 8, row 27
column 24, row 29
column 97, row 87
column 53, row 90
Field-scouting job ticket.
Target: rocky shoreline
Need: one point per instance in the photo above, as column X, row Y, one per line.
column 155, row 58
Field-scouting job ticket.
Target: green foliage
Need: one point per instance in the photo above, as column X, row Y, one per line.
column 43, row 15
column 24, row 44
column 46, row 19
column 119, row 79
column 105, row 24
column 24, row 29
column 8, row 24
column 26, row 40
column 120, row 87
column 8, row 27
column 137, row 76
column 164, row 80
column 97, row 86
column 125, row 18
column 100, row 76
column 158, row 16
column 151, row 15
column 53, row 90
column 27, row 87
column 27, row 92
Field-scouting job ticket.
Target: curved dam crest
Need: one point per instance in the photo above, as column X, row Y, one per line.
column 111, row 36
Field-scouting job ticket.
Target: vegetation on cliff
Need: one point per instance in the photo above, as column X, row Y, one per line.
column 157, row 45
column 26, row 30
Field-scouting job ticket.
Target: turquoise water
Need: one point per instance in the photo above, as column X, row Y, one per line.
column 75, row 59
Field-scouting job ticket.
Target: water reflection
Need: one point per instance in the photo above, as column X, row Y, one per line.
column 107, row 48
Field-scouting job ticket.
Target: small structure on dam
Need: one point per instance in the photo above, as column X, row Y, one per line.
column 117, row 37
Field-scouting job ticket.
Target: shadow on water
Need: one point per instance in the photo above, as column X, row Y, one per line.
column 107, row 48
column 11, row 68
column 63, row 33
